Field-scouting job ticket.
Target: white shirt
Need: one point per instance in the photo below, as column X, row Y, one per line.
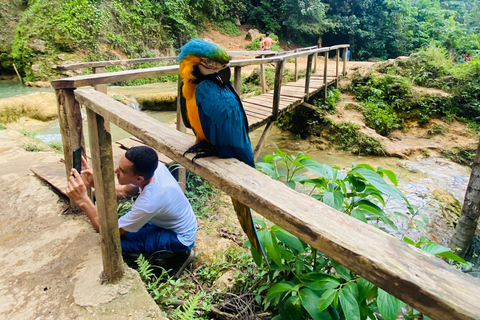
column 162, row 203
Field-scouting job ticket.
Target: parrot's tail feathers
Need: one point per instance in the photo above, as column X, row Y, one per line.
column 202, row 149
column 246, row 221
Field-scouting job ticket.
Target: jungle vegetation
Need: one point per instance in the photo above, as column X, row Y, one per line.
column 36, row 34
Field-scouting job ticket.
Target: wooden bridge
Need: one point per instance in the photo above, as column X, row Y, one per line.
column 414, row 276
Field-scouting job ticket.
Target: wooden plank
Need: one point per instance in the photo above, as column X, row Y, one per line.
column 277, row 88
column 421, row 280
column 54, row 174
column 265, row 103
column 262, row 106
column 111, row 77
column 103, row 172
column 85, row 65
column 260, row 111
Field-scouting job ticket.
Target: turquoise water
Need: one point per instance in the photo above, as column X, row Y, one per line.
column 15, row 88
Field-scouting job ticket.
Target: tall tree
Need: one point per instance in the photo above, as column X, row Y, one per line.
column 467, row 224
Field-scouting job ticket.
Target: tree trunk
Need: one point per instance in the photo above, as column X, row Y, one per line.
column 467, row 224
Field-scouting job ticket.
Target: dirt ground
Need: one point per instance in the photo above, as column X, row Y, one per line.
column 50, row 260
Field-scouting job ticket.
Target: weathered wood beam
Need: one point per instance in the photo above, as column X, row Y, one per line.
column 308, row 76
column 84, row 65
column 237, row 79
column 277, row 88
column 71, row 128
column 325, row 75
column 414, row 276
column 110, row 77
column 182, row 173
column 102, row 165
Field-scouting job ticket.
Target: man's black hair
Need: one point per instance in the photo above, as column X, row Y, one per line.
column 267, row 33
column 144, row 159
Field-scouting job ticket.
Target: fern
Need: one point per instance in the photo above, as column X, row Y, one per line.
column 144, row 268
column 189, row 308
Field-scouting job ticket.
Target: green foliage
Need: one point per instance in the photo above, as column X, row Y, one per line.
column 32, row 147
column 252, row 83
column 330, row 103
column 27, row 133
column 464, row 156
column 124, row 206
column 2, row 126
column 56, row 145
column 229, row 28
column 303, row 283
column 382, row 120
column 346, row 136
column 189, row 309
column 201, row 195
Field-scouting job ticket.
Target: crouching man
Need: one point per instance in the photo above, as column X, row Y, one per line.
column 161, row 219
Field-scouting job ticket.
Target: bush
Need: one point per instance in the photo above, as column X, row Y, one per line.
column 382, row 120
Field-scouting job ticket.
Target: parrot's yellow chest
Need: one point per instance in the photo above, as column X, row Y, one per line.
column 188, row 91
column 192, row 110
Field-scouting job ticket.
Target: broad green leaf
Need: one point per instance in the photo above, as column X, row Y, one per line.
column 292, row 309
column 299, row 265
column 451, row 256
column 334, row 199
column 363, row 287
column 341, row 270
column 435, row 248
column 279, row 287
column 290, row 184
column 390, row 176
column 267, row 168
column 360, row 214
column 377, row 181
column 309, row 300
column 326, row 299
column 270, row 244
column 316, row 168
column 371, row 207
column 366, row 166
column 388, row 305
column 409, row 241
column 324, row 283
column 287, row 238
column 349, row 305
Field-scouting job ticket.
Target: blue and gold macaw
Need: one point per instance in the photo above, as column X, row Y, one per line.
column 213, row 110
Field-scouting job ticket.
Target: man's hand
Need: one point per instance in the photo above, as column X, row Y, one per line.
column 76, row 189
column 87, row 174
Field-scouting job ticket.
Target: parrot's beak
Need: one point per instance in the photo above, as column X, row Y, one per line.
column 208, row 66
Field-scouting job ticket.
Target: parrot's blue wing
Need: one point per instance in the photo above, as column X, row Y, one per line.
column 224, row 121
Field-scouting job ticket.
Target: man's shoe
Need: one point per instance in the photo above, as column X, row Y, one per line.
column 179, row 262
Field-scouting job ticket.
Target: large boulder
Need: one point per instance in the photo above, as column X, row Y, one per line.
column 252, row 34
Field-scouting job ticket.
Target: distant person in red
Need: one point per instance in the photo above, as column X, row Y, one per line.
column 266, row 42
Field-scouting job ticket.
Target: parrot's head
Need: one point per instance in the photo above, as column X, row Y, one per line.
column 198, row 56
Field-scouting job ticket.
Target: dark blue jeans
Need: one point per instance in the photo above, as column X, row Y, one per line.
column 150, row 239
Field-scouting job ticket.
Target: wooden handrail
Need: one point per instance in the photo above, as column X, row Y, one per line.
column 110, row 77
column 124, row 62
column 418, row 278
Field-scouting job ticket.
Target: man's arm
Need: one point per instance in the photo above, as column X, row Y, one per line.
column 77, row 191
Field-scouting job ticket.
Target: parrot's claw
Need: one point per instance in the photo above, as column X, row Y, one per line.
column 202, row 150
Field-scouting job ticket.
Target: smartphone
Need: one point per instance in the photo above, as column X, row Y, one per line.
column 77, row 159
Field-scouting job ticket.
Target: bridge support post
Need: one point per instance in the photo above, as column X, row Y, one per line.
column 237, row 79
column 345, row 51
column 71, row 128
column 102, row 164
column 338, row 62
column 182, row 172
column 296, row 66
column 262, row 140
column 277, row 88
column 262, row 73
column 325, row 75
column 308, row 75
